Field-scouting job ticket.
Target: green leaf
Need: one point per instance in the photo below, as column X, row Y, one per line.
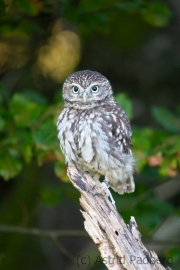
column 166, row 119
column 45, row 136
column 156, row 14
column 10, row 166
column 25, row 144
column 125, row 103
column 27, row 152
column 21, row 141
column 50, row 195
column 24, row 111
column 168, row 166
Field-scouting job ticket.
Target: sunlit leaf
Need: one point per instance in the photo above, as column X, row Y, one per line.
column 141, row 140
column 156, row 13
column 168, row 166
column 10, row 166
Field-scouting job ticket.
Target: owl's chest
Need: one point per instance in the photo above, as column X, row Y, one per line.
column 75, row 131
column 78, row 133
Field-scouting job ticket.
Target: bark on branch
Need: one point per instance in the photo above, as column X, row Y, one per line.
column 120, row 244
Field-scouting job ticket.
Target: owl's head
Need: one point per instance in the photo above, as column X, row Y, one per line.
column 86, row 87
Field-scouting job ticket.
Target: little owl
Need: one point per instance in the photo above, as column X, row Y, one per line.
column 95, row 133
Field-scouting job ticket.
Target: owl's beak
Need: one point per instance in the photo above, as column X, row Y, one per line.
column 84, row 97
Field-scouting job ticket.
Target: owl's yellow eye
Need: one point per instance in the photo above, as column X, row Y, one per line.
column 95, row 89
column 75, row 89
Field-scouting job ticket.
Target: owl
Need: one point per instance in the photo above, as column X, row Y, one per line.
column 95, row 133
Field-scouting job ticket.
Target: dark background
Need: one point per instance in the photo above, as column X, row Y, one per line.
column 136, row 45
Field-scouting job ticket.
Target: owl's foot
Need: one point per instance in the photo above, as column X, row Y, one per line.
column 103, row 188
column 110, row 195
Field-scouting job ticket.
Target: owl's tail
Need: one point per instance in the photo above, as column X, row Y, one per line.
column 125, row 186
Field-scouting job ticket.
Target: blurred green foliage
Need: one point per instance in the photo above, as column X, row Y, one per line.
column 28, row 131
column 90, row 15
column 50, row 195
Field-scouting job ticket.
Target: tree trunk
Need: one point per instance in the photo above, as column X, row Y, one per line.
column 119, row 244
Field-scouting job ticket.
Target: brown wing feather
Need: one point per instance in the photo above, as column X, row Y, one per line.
column 118, row 122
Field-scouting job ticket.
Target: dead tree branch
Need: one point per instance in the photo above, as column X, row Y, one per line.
column 120, row 244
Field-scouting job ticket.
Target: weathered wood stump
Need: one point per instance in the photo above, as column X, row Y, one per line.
column 120, row 245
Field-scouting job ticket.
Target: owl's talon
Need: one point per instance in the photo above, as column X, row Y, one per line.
column 104, row 190
column 112, row 200
column 110, row 195
column 107, row 183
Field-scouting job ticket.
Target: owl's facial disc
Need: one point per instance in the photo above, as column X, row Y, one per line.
column 91, row 92
column 79, row 93
column 86, row 87
column 88, row 93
